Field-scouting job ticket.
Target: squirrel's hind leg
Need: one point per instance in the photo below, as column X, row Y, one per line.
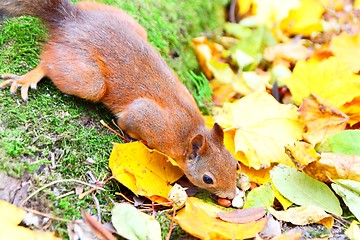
column 25, row 81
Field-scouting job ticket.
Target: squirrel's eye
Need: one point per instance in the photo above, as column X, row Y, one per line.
column 207, row 179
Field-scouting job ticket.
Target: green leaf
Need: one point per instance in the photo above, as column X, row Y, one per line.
column 349, row 184
column 262, row 196
column 253, row 45
column 349, row 191
column 346, row 142
column 238, row 31
column 302, row 189
column 130, row 223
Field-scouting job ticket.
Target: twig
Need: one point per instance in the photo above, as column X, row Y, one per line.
column 127, row 199
column 108, row 127
column 171, row 227
column 102, row 183
column 232, row 14
column 47, row 215
column 96, row 201
column 65, row 194
column 55, row 182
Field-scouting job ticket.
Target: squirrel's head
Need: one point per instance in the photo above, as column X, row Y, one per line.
column 209, row 165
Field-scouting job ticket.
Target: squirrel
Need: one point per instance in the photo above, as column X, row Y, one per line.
column 100, row 53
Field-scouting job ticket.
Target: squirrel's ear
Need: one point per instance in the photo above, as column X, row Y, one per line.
column 197, row 145
column 217, row 132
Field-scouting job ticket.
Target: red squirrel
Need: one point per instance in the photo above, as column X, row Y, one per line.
column 100, row 53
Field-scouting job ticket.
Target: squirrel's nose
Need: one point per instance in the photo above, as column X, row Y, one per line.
column 229, row 194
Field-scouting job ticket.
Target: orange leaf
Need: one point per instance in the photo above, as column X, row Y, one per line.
column 205, row 51
column 321, row 119
column 352, row 109
column 199, row 219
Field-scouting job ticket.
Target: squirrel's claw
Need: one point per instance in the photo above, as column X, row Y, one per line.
column 30, row 79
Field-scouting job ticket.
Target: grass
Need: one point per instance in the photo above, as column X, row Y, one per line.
column 61, row 129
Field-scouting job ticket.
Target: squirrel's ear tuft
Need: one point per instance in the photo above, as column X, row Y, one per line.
column 197, row 144
column 217, row 132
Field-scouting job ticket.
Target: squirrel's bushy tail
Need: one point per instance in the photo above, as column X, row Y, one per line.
column 50, row 11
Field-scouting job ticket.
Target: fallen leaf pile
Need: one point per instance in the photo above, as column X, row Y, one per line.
column 286, row 90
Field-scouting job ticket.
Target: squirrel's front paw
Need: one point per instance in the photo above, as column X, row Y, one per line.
column 30, row 79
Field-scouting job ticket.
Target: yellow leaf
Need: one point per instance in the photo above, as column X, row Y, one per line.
column 357, row 4
column 285, row 203
column 302, row 154
column 305, row 20
column 199, row 219
column 11, row 216
column 263, row 127
column 260, row 176
column 223, row 74
column 330, row 79
column 292, row 234
column 347, row 48
column 353, row 232
column 321, row 119
column 271, row 13
column 10, row 213
column 145, row 172
column 245, row 6
column 304, row 215
column 335, row 166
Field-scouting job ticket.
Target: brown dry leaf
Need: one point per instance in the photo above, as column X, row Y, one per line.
column 304, row 215
column 321, row 119
column 11, row 216
column 302, row 154
column 199, row 219
column 145, row 172
column 335, row 166
column 242, row 215
column 347, row 48
column 291, row 52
